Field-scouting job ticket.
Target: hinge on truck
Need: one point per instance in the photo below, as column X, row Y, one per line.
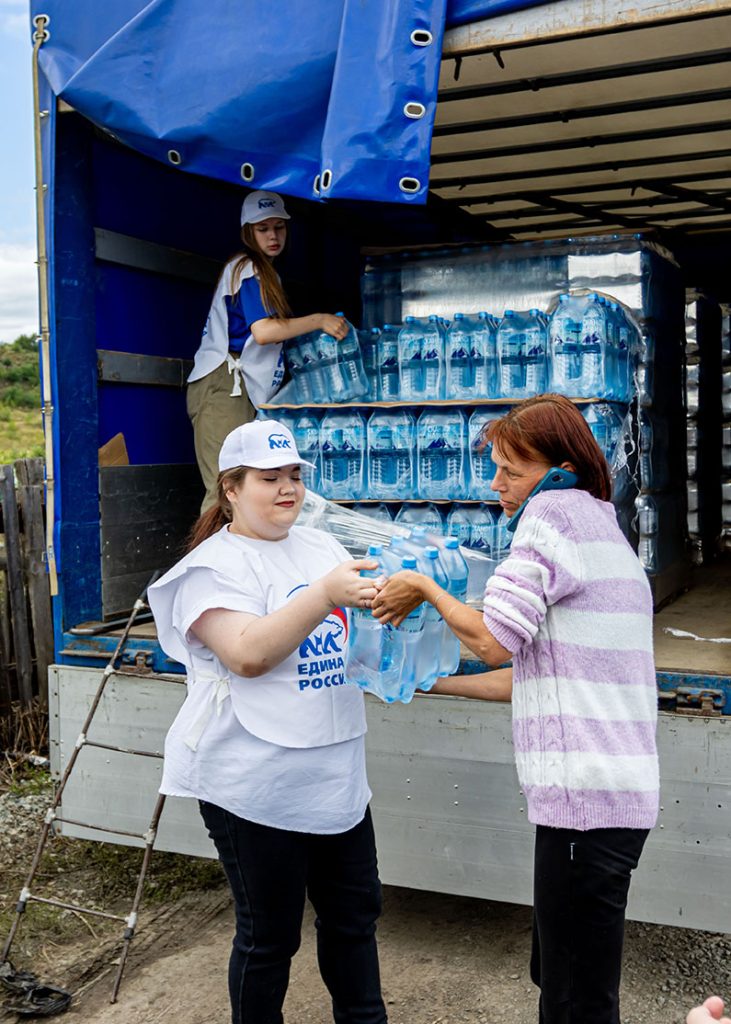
column 702, row 701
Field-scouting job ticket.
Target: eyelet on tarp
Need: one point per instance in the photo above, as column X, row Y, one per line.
column 409, row 185
column 247, row 172
column 40, row 22
column 414, row 110
column 316, row 185
column 174, row 157
column 422, row 37
column 326, row 180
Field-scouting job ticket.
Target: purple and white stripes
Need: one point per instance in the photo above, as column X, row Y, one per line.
column 573, row 605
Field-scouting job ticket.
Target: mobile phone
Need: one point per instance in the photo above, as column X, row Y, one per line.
column 555, row 480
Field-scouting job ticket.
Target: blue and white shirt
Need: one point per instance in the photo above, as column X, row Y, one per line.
column 228, row 329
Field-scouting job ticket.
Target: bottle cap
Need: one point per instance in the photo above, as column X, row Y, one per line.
column 452, row 543
column 375, row 550
column 431, row 552
column 408, row 563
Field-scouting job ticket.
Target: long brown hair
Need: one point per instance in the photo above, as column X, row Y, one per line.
column 211, row 521
column 552, row 427
column 272, row 293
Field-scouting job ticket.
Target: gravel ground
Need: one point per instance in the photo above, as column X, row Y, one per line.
column 445, row 959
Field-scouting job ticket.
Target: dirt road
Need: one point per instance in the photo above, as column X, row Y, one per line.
column 444, row 959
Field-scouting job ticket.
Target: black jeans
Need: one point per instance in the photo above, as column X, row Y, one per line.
column 581, row 881
column 270, row 872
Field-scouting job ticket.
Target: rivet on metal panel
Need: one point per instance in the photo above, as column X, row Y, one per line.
column 456, row 803
column 408, row 780
column 456, row 785
column 408, row 797
column 662, row 826
column 521, row 809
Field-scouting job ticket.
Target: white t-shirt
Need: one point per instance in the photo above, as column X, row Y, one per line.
column 209, row 753
column 262, row 366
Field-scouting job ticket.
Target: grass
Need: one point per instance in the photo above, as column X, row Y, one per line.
column 21, row 428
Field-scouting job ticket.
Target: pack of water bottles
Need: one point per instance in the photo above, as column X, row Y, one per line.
column 439, row 454
column 392, row 662
column 324, row 369
column 588, row 347
column 357, row 530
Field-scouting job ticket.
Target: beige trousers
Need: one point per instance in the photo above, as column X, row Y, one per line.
column 214, row 414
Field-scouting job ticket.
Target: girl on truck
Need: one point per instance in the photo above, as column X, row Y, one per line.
column 240, row 363
column 270, row 739
column 572, row 607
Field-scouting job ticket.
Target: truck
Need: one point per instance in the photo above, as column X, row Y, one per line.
column 396, row 131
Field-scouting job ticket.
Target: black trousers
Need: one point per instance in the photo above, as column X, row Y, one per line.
column 270, row 872
column 581, row 881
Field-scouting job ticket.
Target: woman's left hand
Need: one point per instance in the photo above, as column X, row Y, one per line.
column 400, row 594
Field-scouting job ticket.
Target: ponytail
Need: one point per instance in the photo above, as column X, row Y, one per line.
column 216, row 517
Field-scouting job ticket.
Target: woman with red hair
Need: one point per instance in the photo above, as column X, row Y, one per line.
column 572, row 607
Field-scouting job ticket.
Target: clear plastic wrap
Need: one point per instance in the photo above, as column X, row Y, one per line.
column 357, row 532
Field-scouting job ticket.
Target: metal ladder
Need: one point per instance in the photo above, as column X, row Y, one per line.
column 148, row 837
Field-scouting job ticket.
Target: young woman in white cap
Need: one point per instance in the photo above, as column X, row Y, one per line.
column 270, row 739
column 239, row 363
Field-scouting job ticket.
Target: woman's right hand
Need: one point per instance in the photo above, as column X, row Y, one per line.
column 335, row 326
column 344, row 586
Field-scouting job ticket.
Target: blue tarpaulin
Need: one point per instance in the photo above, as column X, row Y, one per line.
column 329, row 99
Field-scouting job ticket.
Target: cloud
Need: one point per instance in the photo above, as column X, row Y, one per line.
column 18, row 291
column 14, row 18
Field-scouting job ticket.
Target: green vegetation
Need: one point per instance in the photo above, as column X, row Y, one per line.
column 21, row 429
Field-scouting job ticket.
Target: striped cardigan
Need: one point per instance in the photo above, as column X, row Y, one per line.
column 572, row 604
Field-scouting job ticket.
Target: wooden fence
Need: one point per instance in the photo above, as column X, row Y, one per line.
column 26, row 625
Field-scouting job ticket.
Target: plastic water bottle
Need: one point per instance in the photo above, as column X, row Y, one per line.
column 597, row 421
column 614, row 429
column 421, row 515
column 330, row 367
column 624, row 370
column 429, row 652
column 391, row 435
column 501, row 538
column 564, row 334
column 369, row 353
column 393, row 554
column 374, row 658
column 441, row 442
column 411, row 366
column 433, row 357
column 312, row 369
column 352, row 371
column 482, row 468
column 409, row 635
column 511, row 355
column 455, row 566
column 481, row 529
column 296, row 366
column 379, row 512
column 306, row 432
column 459, row 367
column 536, row 364
column 388, row 368
column 593, row 381
column 342, row 454
column 483, row 357
column 459, row 525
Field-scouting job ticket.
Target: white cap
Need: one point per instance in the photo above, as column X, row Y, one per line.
column 261, row 444
column 261, row 206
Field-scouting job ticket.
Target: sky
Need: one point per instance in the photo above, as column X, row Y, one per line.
column 18, row 272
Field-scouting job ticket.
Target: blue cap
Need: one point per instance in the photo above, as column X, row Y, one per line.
column 408, row 563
